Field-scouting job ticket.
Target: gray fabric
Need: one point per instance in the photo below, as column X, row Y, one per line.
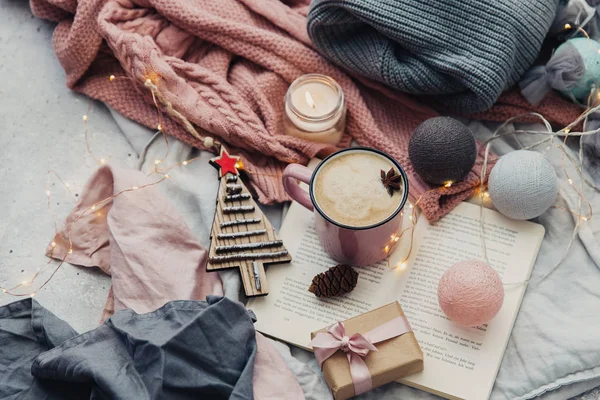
column 460, row 54
column 184, row 350
column 591, row 151
column 562, row 72
column 553, row 351
column 26, row 330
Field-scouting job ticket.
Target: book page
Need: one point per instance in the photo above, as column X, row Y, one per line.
column 462, row 362
column 290, row 312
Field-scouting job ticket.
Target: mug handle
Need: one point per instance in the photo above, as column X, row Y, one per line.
column 299, row 172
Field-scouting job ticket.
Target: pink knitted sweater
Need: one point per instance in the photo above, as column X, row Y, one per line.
column 226, row 65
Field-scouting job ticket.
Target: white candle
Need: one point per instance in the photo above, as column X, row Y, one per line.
column 315, row 109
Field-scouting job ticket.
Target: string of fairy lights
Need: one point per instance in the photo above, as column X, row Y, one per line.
column 158, row 100
column 151, row 82
column 592, row 106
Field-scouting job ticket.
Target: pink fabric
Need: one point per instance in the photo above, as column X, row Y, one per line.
column 557, row 109
column 357, row 347
column 140, row 239
column 442, row 200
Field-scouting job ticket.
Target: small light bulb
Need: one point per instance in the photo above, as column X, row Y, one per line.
column 584, row 218
column 184, row 163
column 487, row 194
column 135, row 188
column 53, row 244
column 148, row 80
column 570, row 181
column 85, row 117
column 209, row 142
column 410, row 205
column 111, row 78
column 567, row 26
column 159, row 127
column 3, row 290
column 71, row 251
column 23, row 283
column 239, row 164
column 156, row 162
column 448, row 184
column 396, row 238
column 47, row 193
column 410, row 217
column 102, row 161
column 401, row 266
column 32, row 294
column 567, row 130
column 167, row 176
column 67, row 185
column 402, row 213
column 386, row 248
column 93, row 207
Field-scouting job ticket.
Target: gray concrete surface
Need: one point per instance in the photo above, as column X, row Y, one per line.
column 41, row 129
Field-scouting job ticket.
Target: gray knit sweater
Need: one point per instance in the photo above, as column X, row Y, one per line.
column 460, row 54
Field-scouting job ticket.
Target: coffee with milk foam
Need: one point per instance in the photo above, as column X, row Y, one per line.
column 348, row 189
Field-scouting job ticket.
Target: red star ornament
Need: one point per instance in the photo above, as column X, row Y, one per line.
column 225, row 163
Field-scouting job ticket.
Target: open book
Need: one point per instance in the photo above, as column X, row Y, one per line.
column 460, row 362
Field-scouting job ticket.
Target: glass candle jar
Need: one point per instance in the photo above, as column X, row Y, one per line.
column 315, row 109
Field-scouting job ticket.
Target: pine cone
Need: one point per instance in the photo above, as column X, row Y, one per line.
column 336, row 281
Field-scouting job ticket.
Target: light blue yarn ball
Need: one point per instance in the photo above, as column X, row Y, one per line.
column 523, row 184
column 588, row 48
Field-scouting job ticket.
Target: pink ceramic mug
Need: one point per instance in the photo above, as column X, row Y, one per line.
column 359, row 246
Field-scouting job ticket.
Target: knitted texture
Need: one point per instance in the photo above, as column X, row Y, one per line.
column 460, row 54
column 523, row 184
column 226, row 65
column 470, row 293
column 558, row 110
column 442, row 149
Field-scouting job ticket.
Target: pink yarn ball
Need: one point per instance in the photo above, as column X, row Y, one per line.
column 471, row 293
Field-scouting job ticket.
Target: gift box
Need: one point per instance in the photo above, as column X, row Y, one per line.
column 367, row 351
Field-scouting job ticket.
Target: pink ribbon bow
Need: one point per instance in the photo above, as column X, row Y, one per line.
column 356, row 347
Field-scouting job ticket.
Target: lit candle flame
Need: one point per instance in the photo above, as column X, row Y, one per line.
column 310, row 100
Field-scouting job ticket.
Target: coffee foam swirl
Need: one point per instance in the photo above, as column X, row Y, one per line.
column 348, row 189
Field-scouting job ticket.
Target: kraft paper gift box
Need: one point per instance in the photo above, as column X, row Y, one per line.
column 395, row 357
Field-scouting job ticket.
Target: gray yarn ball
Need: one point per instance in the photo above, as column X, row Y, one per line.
column 523, row 184
column 442, row 149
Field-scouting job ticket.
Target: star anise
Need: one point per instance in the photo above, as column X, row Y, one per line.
column 392, row 180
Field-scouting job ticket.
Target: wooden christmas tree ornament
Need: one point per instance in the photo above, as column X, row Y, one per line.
column 241, row 236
